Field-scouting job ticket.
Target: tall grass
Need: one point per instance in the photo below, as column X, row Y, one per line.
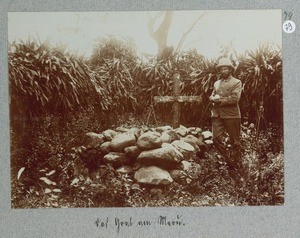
column 49, row 80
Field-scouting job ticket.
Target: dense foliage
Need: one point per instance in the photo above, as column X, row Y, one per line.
column 261, row 74
column 45, row 80
column 115, row 80
column 112, row 48
column 58, row 96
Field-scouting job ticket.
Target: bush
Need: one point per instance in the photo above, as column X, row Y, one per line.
column 45, row 80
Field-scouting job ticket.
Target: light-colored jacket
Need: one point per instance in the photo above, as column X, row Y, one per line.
column 230, row 92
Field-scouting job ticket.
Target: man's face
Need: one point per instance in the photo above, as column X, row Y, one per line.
column 225, row 72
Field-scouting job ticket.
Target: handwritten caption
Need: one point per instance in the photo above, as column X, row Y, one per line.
column 120, row 223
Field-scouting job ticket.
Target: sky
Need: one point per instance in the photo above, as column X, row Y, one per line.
column 242, row 29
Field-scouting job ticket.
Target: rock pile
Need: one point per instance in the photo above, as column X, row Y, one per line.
column 154, row 156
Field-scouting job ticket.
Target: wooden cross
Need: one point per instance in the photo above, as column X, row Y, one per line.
column 176, row 99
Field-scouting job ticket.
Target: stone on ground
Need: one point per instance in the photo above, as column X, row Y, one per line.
column 116, row 159
column 176, row 153
column 195, row 131
column 166, row 157
column 186, row 149
column 209, row 142
column 153, row 175
column 126, row 169
column 136, row 186
column 181, row 130
column 161, row 129
column 121, row 141
column 132, row 151
column 178, row 175
column 207, row 135
column 109, row 134
column 186, row 165
column 92, row 140
column 136, row 131
column 105, row 147
column 192, row 142
column 148, row 141
column 202, row 145
column 169, row 136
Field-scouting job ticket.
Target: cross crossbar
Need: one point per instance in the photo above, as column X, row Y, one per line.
column 164, row 99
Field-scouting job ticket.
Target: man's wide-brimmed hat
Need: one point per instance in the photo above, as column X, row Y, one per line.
column 225, row 62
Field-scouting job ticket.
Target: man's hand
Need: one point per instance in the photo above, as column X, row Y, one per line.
column 216, row 98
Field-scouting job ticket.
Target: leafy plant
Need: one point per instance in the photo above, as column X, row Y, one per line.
column 119, row 85
column 112, row 48
column 261, row 73
column 113, row 61
column 49, row 80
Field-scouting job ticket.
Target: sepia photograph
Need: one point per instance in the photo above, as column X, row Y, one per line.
column 146, row 109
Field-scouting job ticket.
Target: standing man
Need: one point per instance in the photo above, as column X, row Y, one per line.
column 226, row 115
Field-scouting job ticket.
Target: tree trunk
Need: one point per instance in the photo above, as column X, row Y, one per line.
column 160, row 35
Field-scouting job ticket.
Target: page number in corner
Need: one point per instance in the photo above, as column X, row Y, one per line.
column 289, row 26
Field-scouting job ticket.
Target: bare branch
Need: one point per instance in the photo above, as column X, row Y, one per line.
column 185, row 34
